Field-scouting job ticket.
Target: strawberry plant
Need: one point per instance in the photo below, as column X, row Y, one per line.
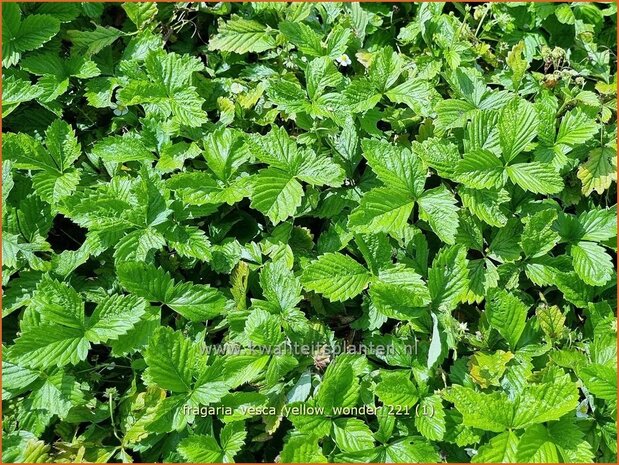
column 309, row 232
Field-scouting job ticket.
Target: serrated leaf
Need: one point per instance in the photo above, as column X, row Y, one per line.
column 121, row 150
column 438, row 207
column 114, row 317
column 50, row 345
column 395, row 166
column 417, row 94
column 382, row 210
column 599, row 171
column 352, row 435
column 338, row 277
column 592, row 263
column 242, row 36
column 502, row 448
column 507, row 314
column 276, row 194
column 517, row 127
column 448, row 277
column 339, row 387
column 399, row 291
column 201, row 449
column 481, row 169
column 539, row 178
column 430, row 419
column 92, row 42
column 485, row 204
column 170, row 359
column 397, row 389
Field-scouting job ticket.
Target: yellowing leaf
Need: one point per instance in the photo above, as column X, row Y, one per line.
column 599, row 171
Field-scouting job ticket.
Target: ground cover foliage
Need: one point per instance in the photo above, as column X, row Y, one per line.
column 434, row 179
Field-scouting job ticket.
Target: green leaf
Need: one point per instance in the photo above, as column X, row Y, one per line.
column 441, row 155
column 277, row 149
column 288, row 96
column 58, row 303
column 539, row 178
column 502, row 448
column 411, row 450
column 517, row 127
column 113, row 317
column 517, row 64
column 280, row 286
column 263, row 328
column 430, row 419
column 565, row 14
column 319, row 171
column 223, row 152
column 538, row 237
column 385, row 68
column 576, row 128
column 487, row 369
column 536, row 446
column 201, row 449
column 195, row 302
column 382, row 210
column 140, row 14
column 338, row 277
column 58, row 394
column 398, row 291
column 352, row 435
column 146, row 281
column 438, row 207
column 396, row 389
column 486, row 204
column 417, row 94
column 301, row 448
column 320, row 75
column 598, row 224
column 232, row 439
column 170, row 359
column 303, row 37
column 276, row 194
column 481, row 169
column 600, row 380
column 395, row 166
column 242, row 36
column 121, row 150
column 16, row 91
column 24, row 34
column 507, row 314
column 592, row 263
column 546, row 401
column 448, row 278
column 495, row 416
column 50, row 345
column 551, row 320
column 339, row 387
column 92, row 42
